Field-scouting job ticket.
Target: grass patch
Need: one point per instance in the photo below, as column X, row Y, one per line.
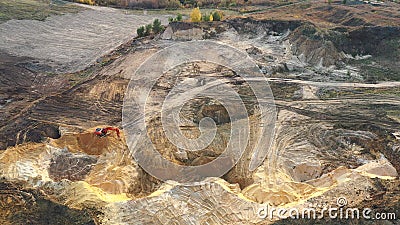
column 285, row 91
column 377, row 69
column 34, row 9
column 384, row 91
column 383, row 66
column 332, row 93
column 394, row 114
column 372, row 73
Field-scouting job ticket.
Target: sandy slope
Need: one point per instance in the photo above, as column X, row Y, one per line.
column 71, row 42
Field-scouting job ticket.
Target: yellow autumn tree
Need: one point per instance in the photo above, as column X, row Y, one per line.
column 195, row 15
column 89, row 2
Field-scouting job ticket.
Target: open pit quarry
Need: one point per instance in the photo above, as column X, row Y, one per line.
column 336, row 92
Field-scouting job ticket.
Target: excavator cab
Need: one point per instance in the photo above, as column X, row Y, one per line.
column 99, row 132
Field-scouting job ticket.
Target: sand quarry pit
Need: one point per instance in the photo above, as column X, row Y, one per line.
column 89, row 143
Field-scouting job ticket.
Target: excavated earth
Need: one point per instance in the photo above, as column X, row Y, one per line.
column 336, row 135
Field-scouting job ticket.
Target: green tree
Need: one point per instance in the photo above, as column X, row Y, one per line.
column 205, row 17
column 179, row 17
column 217, row 16
column 147, row 30
column 170, row 19
column 157, row 27
column 140, row 31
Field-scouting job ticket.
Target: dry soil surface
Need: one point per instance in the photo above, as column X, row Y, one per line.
column 70, row 42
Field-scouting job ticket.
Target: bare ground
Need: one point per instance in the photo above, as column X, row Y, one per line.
column 326, row 132
column 71, row 42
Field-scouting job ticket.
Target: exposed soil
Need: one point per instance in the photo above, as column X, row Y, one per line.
column 70, row 42
column 336, row 14
column 335, row 130
column 30, row 206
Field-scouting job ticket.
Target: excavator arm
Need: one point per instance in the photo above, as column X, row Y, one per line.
column 112, row 128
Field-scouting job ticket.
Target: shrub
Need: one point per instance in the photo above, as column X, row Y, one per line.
column 140, row 31
column 157, row 27
column 207, row 18
column 179, row 17
column 170, row 19
column 148, row 29
column 195, row 15
column 217, row 16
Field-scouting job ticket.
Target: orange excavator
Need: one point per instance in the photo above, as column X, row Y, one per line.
column 103, row 132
